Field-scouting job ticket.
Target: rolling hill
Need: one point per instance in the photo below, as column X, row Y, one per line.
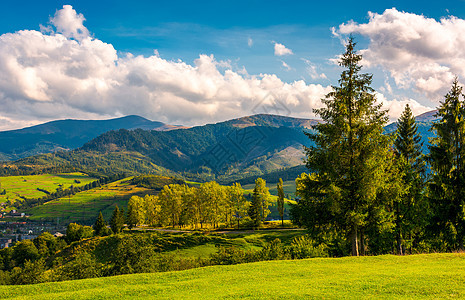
column 65, row 135
column 232, row 150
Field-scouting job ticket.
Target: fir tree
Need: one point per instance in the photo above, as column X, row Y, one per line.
column 350, row 152
column 117, row 220
column 281, row 200
column 100, row 225
column 258, row 210
column 409, row 208
column 447, row 159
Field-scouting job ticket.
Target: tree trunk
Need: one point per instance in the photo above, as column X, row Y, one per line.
column 355, row 241
column 399, row 244
column 362, row 243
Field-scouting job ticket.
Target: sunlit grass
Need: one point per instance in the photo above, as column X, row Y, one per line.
column 432, row 276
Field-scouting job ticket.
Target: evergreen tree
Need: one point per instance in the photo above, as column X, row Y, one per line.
column 409, row 207
column 350, row 152
column 117, row 220
column 100, row 225
column 447, row 159
column 258, row 210
column 281, row 200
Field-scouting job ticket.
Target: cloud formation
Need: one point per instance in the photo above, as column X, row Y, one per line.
column 281, row 50
column 419, row 52
column 69, row 23
column 64, row 72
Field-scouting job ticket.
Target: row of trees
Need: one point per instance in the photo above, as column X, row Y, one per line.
column 369, row 192
column 210, row 204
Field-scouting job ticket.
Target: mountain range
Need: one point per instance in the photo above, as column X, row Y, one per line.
column 66, row 135
column 225, row 151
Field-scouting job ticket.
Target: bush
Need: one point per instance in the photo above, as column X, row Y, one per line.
column 232, row 256
column 303, row 247
column 272, row 251
column 83, row 266
column 76, row 232
column 33, row 272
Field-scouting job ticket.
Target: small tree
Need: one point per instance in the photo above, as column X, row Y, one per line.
column 238, row 203
column 258, row 210
column 281, row 200
column 100, row 226
column 135, row 213
column 117, row 220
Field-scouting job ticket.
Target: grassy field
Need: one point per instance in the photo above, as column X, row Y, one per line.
column 288, row 187
column 432, row 276
column 19, row 187
column 85, row 206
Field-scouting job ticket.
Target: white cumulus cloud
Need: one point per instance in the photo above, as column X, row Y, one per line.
column 64, row 72
column 69, row 23
column 281, row 50
column 419, row 52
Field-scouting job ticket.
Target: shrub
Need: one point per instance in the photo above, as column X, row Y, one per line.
column 303, row 247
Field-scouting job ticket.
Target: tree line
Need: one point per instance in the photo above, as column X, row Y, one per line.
column 208, row 205
column 371, row 193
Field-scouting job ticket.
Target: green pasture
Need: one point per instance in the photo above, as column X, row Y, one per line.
column 84, row 207
column 288, row 187
column 427, row 276
column 19, row 187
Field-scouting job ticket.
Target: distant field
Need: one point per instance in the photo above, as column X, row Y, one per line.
column 85, row 206
column 288, row 187
column 19, row 187
column 432, row 276
column 289, row 190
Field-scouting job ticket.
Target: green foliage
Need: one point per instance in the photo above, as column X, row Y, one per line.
column 117, row 220
column 447, row 159
column 410, row 208
column 76, row 232
column 238, row 204
column 135, row 214
column 48, row 245
column 350, row 155
column 258, row 210
column 280, row 201
column 155, row 182
column 32, row 272
column 24, row 251
column 100, row 225
column 84, row 265
column 304, row 247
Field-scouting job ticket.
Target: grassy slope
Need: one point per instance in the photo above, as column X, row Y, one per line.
column 26, row 186
column 288, row 187
column 87, row 204
column 430, row 276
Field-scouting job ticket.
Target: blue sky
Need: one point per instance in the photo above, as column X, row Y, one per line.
column 242, row 37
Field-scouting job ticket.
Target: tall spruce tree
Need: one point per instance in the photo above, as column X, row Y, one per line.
column 117, row 220
column 100, row 225
column 350, row 151
column 409, row 208
column 281, row 200
column 447, row 159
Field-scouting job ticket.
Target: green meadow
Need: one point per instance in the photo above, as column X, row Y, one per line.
column 84, row 207
column 288, row 187
column 426, row 276
column 19, row 187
